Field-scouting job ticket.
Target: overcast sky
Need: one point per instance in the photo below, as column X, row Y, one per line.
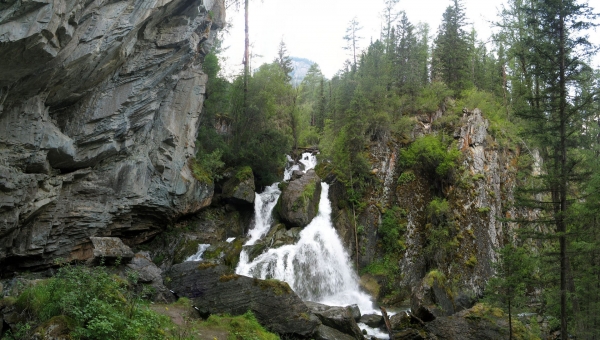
column 314, row 29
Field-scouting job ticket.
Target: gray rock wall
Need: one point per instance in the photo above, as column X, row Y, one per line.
column 99, row 107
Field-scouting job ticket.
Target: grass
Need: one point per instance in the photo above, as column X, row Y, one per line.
column 91, row 303
column 244, row 327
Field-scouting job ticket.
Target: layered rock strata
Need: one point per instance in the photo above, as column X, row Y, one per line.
column 99, row 107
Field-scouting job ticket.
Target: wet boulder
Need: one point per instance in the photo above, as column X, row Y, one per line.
column 339, row 318
column 213, row 290
column 327, row 333
column 299, row 200
column 372, row 320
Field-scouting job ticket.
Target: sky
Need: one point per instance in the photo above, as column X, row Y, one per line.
column 314, row 29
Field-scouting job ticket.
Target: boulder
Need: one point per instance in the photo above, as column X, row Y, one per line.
column 477, row 323
column 406, row 327
column 430, row 299
column 355, row 312
column 339, row 318
column 213, row 289
column 148, row 273
column 372, row 320
column 110, row 249
column 327, row 333
column 240, row 188
column 299, row 200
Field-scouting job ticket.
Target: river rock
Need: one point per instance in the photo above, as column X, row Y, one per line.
column 327, row 333
column 240, row 187
column 355, row 312
column 372, row 320
column 339, row 318
column 214, row 290
column 100, row 103
column 299, row 200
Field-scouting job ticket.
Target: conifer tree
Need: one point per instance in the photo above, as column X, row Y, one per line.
column 450, row 62
column 284, row 61
column 556, row 115
column 353, row 38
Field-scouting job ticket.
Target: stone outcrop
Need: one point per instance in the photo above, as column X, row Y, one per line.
column 110, row 249
column 213, row 289
column 339, row 318
column 299, row 200
column 99, row 108
column 240, row 187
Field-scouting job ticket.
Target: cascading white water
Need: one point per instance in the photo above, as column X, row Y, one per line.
column 317, row 268
column 198, row 256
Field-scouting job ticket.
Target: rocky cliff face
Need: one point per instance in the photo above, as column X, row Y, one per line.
column 99, row 107
column 479, row 195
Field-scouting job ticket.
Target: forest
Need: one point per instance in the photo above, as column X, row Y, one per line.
column 534, row 83
column 438, row 186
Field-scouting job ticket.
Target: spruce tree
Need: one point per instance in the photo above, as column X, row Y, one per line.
column 450, row 62
column 284, row 61
column 556, row 115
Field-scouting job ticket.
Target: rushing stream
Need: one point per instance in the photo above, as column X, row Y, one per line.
column 317, row 267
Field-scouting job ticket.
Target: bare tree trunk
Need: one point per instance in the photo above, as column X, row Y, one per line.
column 562, row 185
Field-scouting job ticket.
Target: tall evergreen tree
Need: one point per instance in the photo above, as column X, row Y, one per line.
column 284, row 61
column 450, row 62
column 556, row 53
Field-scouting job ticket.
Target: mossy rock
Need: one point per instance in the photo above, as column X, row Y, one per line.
column 57, row 328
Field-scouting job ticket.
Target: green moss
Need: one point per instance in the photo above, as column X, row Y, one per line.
column 206, row 265
column 278, row 287
column 228, row 277
column 483, row 210
column 472, row 261
column 244, row 173
column 435, row 276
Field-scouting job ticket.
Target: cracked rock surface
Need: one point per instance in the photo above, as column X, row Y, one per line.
column 100, row 103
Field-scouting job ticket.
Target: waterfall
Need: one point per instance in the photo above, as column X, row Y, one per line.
column 317, row 267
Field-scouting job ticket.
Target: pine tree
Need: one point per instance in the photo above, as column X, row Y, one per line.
column 450, row 62
column 284, row 61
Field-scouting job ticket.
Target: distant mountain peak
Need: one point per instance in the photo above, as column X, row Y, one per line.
column 301, row 66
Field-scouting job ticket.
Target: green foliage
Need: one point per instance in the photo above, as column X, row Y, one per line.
column 500, row 127
column 97, row 305
column 244, row 173
column 432, row 97
column 513, row 272
column 431, row 156
column 244, row 327
column 206, row 167
column 392, row 229
column 406, row 177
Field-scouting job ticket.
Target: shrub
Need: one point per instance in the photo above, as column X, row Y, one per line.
column 97, row 305
column 430, row 155
column 391, row 230
column 205, row 167
column 406, row 177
